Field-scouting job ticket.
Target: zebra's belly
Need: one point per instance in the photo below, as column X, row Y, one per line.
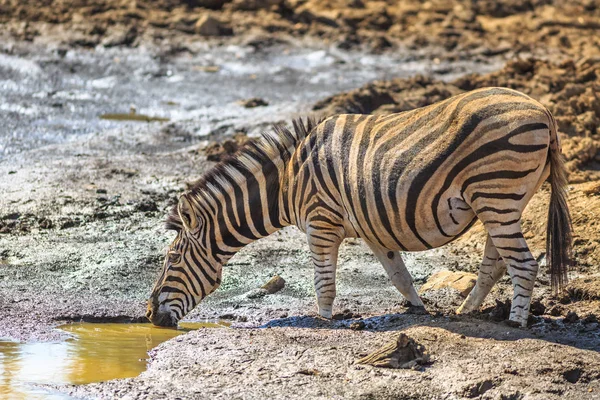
column 453, row 218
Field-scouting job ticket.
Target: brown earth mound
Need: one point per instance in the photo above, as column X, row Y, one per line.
column 570, row 90
column 460, row 28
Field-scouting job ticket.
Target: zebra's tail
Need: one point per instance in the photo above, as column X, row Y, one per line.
column 559, row 239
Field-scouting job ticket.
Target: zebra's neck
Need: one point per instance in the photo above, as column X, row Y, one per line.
column 241, row 206
column 243, row 199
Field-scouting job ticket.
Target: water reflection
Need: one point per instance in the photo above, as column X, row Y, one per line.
column 97, row 352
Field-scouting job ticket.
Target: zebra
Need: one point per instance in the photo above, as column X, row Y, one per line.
column 409, row 181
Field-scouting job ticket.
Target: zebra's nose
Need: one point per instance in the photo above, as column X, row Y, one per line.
column 157, row 317
column 162, row 319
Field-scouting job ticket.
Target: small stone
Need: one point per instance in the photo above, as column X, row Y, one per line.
column 253, row 102
column 500, row 311
column 309, row 372
column 479, row 388
column 208, row 68
column 464, row 282
column 590, row 319
column 573, row 375
column 211, row 4
column 357, row 326
column 45, row 223
column 571, row 317
column 13, row 216
column 274, row 285
column 556, row 311
column 146, row 205
column 537, row 308
column 101, row 191
column 208, row 26
column 69, row 223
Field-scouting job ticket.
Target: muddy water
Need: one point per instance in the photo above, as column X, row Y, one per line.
column 96, row 352
column 133, row 117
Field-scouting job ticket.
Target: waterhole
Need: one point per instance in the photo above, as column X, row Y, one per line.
column 96, row 352
column 133, row 117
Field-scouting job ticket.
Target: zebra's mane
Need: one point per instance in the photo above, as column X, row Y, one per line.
column 279, row 142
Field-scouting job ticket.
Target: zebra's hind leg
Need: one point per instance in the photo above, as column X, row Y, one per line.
column 492, row 268
column 508, row 239
column 324, row 247
column 399, row 275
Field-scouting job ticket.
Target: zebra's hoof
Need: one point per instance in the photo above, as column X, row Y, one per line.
column 463, row 310
column 416, row 310
column 515, row 324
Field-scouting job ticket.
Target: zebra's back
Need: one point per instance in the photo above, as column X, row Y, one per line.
column 416, row 180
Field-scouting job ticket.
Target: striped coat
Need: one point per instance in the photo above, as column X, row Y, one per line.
column 403, row 182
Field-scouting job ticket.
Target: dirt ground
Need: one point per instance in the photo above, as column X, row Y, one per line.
column 83, row 199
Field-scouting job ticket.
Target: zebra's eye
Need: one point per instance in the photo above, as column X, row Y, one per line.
column 174, row 257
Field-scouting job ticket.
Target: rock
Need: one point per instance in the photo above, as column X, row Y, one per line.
column 479, row 388
column 208, row 26
column 537, row 308
column 5, row 228
column 403, row 352
column 357, row 326
column 309, row 372
column 556, row 311
column 146, row 205
column 210, row 4
column 120, row 37
column 208, row 68
column 253, row 102
column 220, row 151
column 274, row 285
column 45, row 223
column 461, row 281
column 499, row 312
column 590, row 319
column 13, row 216
column 571, row 317
column 254, row 5
column 68, row 223
column 572, row 375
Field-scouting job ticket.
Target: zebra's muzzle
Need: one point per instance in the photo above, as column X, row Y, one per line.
column 159, row 318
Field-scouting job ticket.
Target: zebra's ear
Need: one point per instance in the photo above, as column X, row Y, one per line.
column 187, row 214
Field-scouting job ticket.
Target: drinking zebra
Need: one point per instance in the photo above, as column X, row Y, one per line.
column 402, row 182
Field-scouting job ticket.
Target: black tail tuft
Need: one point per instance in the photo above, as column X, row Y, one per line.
column 559, row 237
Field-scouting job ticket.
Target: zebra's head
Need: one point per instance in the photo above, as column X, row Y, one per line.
column 190, row 271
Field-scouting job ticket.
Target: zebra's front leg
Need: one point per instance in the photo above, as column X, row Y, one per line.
column 491, row 269
column 324, row 247
column 399, row 275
